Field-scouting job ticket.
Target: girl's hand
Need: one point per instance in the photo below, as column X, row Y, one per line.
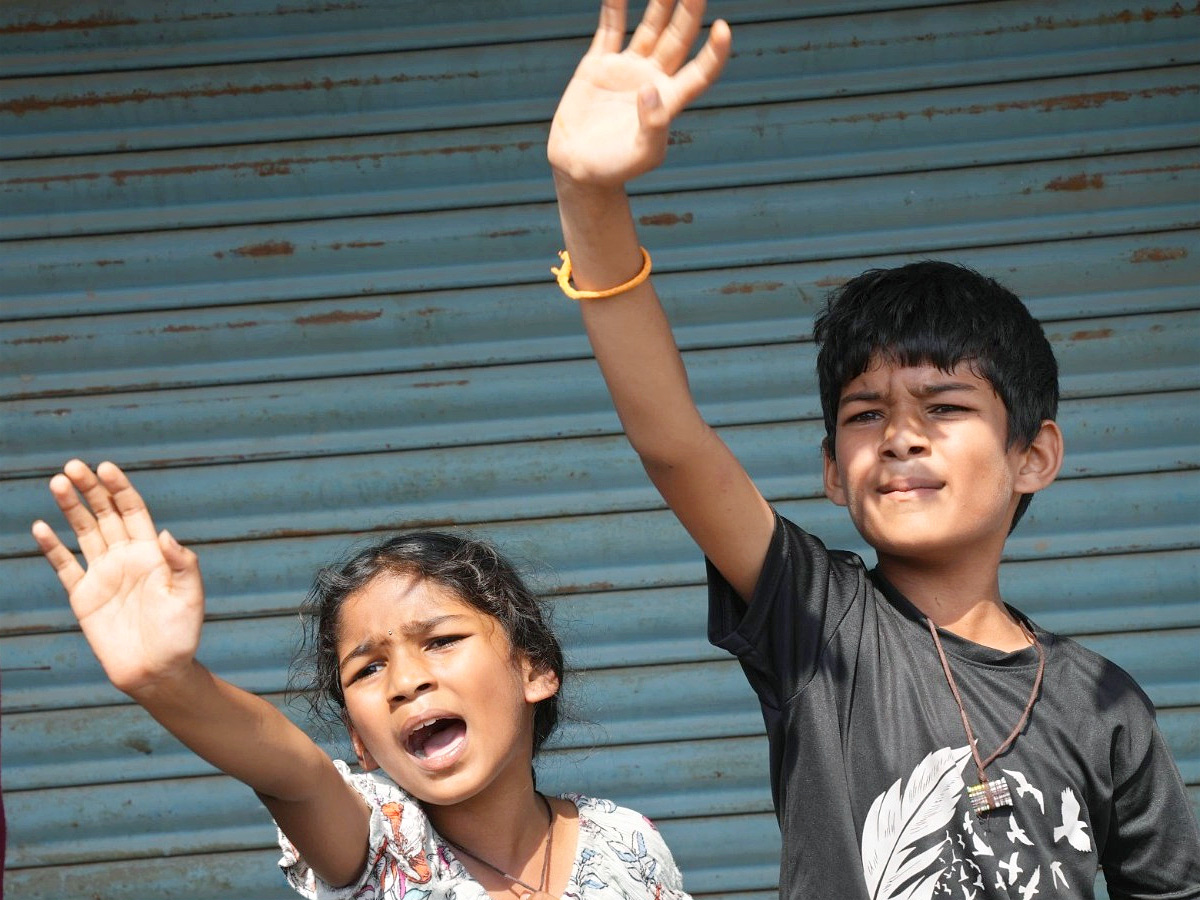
column 611, row 123
column 140, row 602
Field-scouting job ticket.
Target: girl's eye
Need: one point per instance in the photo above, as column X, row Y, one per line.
column 445, row 640
column 366, row 671
column 948, row 408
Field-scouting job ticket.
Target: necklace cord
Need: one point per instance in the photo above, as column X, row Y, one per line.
column 545, row 857
column 981, row 765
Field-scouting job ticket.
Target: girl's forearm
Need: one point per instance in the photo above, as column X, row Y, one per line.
column 236, row 731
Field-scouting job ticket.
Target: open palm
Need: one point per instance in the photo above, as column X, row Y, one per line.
column 140, row 601
column 612, row 122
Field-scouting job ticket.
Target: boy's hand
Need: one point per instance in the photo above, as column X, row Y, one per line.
column 611, row 123
column 140, row 602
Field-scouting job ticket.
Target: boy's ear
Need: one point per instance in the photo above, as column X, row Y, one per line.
column 833, row 478
column 365, row 760
column 1041, row 460
column 540, row 684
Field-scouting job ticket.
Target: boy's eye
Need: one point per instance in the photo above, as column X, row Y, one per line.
column 948, row 408
column 866, row 415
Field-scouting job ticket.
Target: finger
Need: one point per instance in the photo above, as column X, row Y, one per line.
column 654, row 20
column 699, row 75
column 184, row 564
column 108, row 520
column 610, row 33
column 680, row 34
column 652, row 114
column 78, row 516
column 62, row 560
column 128, row 502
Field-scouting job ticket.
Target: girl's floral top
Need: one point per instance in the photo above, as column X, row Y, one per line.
column 619, row 854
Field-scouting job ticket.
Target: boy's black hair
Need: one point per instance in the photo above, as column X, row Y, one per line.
column 471, row 569
column 940, row 314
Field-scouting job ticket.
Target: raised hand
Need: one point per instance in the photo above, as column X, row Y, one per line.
column 612, row 122
column 140, row 601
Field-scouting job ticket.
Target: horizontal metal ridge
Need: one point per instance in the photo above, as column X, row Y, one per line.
column 417, row 89
column 422, row 331
column 382, row 414
column 974, row 125
column 935, row 212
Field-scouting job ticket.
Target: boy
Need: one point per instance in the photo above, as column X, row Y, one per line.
column 925, row 738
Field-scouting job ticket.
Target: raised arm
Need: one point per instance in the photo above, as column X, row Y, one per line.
column 140, row 604
column 611, row 126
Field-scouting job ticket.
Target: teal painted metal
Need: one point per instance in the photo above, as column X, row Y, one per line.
column 289, row 264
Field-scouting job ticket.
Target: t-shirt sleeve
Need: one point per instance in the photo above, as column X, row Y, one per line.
column 1153, row 846
column 802, row 596
column 396, row 855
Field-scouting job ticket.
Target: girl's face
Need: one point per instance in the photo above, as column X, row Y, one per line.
column 435, row 695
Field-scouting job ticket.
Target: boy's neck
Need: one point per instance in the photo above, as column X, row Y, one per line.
column 962, row 600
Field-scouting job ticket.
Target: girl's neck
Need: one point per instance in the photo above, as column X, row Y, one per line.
column 504, row 825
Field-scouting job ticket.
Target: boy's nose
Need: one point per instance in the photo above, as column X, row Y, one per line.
column 902, row 439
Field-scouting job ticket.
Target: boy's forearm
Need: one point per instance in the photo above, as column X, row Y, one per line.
column 629, row 333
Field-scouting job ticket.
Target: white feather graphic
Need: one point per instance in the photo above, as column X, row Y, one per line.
column 898, row 820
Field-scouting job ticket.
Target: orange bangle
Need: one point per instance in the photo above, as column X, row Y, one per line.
column 563, row 274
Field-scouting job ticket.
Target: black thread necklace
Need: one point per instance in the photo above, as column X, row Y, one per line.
column 989, row 795
column 499, row 871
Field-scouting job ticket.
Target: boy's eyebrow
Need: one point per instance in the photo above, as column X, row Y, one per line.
column 412, row 629
column 926, row 390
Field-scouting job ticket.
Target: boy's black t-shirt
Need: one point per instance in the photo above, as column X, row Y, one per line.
column 870, row 763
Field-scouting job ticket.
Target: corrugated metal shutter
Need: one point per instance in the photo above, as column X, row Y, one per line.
column 289, row 265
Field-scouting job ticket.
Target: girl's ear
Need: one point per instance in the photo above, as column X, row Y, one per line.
column 540, row 684
column 365, row 760
column 1041, row 461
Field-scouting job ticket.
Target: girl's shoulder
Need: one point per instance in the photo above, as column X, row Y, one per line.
column 621, row 851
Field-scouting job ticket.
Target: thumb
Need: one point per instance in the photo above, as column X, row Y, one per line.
column 652, row 114
column 183, row 563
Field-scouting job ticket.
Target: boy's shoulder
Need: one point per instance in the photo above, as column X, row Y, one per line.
column 1094, row 681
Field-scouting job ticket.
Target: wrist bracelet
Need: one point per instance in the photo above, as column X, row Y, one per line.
column 563, row 274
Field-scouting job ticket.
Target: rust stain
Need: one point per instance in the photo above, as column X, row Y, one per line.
column 267, row 248
column 110, row 262
column 1157, row 254
column 61, row 411
column 187, row 329
column 355, row 245
column 181, row 329
column 749, row 287
column 1093, row 335
column 97, row 21
column 1080, row 182
column 339, row 317
column 667, row 219
column 432, row 384
column 31, row 103
column 831, row 282
column 513, row 232
column 677, row 138
column 45, row 339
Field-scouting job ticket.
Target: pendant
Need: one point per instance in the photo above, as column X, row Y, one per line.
column 989, row 795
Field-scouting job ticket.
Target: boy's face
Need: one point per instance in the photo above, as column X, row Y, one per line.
column 922, row 464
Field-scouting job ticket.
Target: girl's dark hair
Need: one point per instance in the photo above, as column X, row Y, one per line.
column 942, row 314
column 473, row 570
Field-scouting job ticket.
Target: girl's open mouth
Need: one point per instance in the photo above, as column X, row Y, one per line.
column 438, row 741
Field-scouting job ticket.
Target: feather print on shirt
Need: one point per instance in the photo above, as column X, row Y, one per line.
column 899, row 820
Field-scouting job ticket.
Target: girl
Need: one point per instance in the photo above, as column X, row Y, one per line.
column 439, row 663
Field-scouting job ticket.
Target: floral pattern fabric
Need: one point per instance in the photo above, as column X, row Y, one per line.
column 619, row 854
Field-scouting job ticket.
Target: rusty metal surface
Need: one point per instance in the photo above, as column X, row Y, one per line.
column 289, row 262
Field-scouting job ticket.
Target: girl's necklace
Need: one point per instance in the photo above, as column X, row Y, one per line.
column 989, row 795
column 513, row 878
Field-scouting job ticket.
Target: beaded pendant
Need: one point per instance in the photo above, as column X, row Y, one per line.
column 989, row 795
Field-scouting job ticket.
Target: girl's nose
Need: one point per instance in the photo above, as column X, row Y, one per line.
column 408, row 680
